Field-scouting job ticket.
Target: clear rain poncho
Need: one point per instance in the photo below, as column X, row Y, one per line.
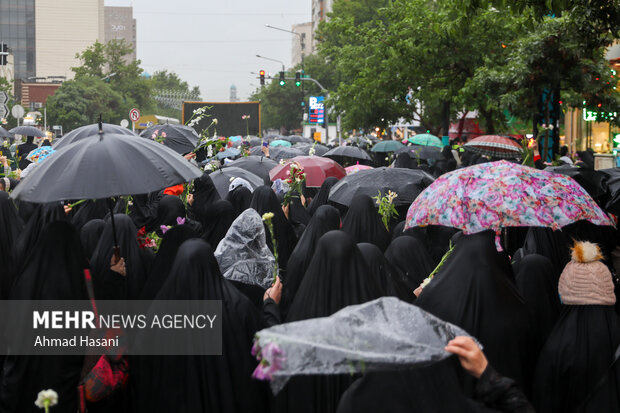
column 243, row 254
column 384, row 334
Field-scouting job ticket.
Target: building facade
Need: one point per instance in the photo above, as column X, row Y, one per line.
column 17, row 30
column 320, row 9
column 120, row 24
column 63, row 29
column 302, row 46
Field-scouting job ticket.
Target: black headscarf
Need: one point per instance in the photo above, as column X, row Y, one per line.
column 575, row 362
column 386, row 276
column 23, row 150
column 89, row 210
column 203, row 383
column 534, row 277
column 90, row 235
column 548, row 243
column 204, row 194
column 364, row 224
column 265, row 200
column 170, row 243
column 323, row 195
column 240, row 198
column 337, row 277
column 11, row 226
column 403, row 160
column 438, row 241
column 220, row 217
column 410, row 259
column 473, row 291
column 54, row 271
column 169, row 208
column 107, row 284
column 42, row 215
column 326, row 218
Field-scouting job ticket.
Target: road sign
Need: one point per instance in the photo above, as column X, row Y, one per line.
column 124, row 123
column 4, row 97
column 134, row 115
column 4, row 111
column 317, row 109
column 18, row 111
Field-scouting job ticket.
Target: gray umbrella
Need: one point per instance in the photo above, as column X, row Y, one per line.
column 28, row 131
column 258, row 165
column 5, row 133
column 90, row 130
column 407, row 183
column 224, row 176
column 422, row 152
column 348, row 154
column 319, row 150
column 180, row 138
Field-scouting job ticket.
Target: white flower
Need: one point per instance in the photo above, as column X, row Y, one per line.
column 209, row 151
column 426, row 281
column 312, row 151
column 214, row 121
column 550, row 127
column 46, row 398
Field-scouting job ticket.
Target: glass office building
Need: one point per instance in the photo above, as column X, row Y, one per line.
column 17, row 29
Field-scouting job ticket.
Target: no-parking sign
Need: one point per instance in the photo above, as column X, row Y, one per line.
column 134, row 115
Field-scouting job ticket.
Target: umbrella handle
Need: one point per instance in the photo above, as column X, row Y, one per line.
column 116, row 250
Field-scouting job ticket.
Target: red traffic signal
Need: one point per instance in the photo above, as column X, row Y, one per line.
column 262, row 77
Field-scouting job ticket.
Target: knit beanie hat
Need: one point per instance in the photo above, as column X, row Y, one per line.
column 585, row 279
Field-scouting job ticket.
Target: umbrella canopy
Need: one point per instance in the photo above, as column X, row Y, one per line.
column 343, row 154
column 501, row 194
column 281, row 152
column 356, row 168
column 90, row 130
column 316, row 168
column 407, row 183
column 422, row 152
column 224, row 176
column 319, row 150
column 296, row 139
column 380, row 335
column 280, row 142
column 228, row 153
column 5, row 133
column 594, row 182
column 181, row 139
column 258, row 165
column 37, row 155
column 104, row 166
column 613, row 187
column 255, row 142
column 426, row 139
column 387, row 146
column 495, row 146
column 28, row 131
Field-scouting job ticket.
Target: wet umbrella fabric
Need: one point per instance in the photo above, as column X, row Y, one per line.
column 105, row 166
column 422, row 152
column 426, row 139
column 258, row 165
column 354, row 153
column 181, row 139
column 316, row 168
column 89, row 131
column 28, row 131
column 495, row 146
column 228, row 153
column 407, row 183
column 222, row 178
column 387, row 146
column 319, row 150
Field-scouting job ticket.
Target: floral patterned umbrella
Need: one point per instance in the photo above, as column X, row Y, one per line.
column 356, row 168
column 501, row 194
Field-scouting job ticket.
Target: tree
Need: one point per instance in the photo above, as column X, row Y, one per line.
column 80, row 102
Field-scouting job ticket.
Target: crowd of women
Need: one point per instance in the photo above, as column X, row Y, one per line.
column 547, row 320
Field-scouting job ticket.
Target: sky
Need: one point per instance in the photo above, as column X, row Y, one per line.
column 213, row 44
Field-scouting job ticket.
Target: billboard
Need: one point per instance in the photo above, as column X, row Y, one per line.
column 317, row 109
column 229, row 117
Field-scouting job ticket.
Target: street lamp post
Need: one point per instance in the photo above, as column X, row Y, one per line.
column 273, row 60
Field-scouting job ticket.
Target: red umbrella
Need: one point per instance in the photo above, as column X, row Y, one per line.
column 316, row 168
column 495, row 146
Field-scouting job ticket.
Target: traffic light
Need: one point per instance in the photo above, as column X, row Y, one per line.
column 262, row 77
column 282, row 81
column 297, row 79
column 4, row 54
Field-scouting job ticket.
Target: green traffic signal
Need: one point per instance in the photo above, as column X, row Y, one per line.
column 282, row 81
column 297, row 79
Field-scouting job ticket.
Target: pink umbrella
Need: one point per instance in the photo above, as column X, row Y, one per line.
column 356, row 168
column 501, row 194
column 316, row 168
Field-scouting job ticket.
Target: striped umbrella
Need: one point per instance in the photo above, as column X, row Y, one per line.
column 495, row 146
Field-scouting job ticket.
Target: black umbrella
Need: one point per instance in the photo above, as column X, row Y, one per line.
column 594, row 182
column 181, row 139
column 421, row 152
column 104, row 166
column 296, row 139
column 613, row 190
column 407, row 183
column 258, row 165
column 90, row 130
column 28, row 131
column 255, row 142
column 348, row 155
column 5, row 133
column 319, row 150
column 224, row 176
column 281, row 152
